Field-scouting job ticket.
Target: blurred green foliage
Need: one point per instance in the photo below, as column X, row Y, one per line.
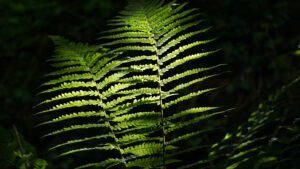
column 270, row 138
column 260, row 41
column 15, row 152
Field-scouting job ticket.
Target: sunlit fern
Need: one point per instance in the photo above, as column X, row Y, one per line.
column 132, row 87
column 78, row 88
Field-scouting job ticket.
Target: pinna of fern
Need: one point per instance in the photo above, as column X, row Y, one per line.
column 131, row 88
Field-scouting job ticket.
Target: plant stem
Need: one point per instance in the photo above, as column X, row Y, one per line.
column 20, row 144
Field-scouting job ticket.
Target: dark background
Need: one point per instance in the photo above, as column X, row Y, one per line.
column 258, row 40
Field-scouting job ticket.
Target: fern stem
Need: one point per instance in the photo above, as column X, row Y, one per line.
column 160, row 90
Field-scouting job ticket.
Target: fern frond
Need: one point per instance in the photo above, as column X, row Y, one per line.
column 127, row 87
column 165, row 30
column 94, row 66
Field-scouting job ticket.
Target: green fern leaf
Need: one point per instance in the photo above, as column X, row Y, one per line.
column 86, row 90
column 147, row 45
column 165, row 30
